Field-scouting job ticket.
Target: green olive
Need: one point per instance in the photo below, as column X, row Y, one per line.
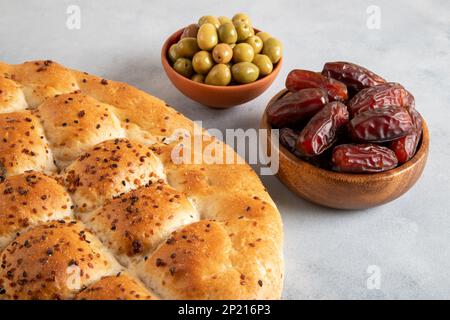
column 187, row 47
column 264, row 64
column 190, row 31
column 207, row 37
column 256, row 43
column 222, row 53
column 273, row 49
column 202, row 62
column 198, row 78
column 224, row 20
column 241, row 17
column 243, row 52
column 220, row 75
column 263, row 35
column 184, row 67
column 173, row 53
column 244, row 31
column 209, row 19
column 245, row 72
column 227, row 33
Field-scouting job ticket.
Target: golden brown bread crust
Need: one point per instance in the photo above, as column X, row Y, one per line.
column 23, row 145
column 53, row 261
column 11, row 96
column 233, row 252
column 136, row 222
column 118, row 287
column 74, row 123
column 208, row 258
column 29, row 199
column 109, row 169
column 40, row 80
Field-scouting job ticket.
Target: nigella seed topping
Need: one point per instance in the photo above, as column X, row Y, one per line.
column 72, row 262
column 137, row 247
column 160, row 262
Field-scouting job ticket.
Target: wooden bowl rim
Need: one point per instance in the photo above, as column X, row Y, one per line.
column 170, row 40
column 421, row 153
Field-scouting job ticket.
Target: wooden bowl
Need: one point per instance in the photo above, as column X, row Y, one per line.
column 214, row 96
column 345, row 190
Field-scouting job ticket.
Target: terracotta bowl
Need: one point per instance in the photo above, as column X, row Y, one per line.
column 344, row 190
column 214, row 96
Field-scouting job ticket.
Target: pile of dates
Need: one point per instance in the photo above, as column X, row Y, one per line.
column 347, row 119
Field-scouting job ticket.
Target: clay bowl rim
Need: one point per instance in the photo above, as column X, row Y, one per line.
column 354, row 178
column 176, row 35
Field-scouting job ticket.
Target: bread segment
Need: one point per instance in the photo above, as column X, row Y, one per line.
column 11, row 96
column 118, row 287
column 41, row 80
column 74, row 123
column 29, row 199
column 135, row 223
column 109, row 169
column 53, row 261
column 23, row 145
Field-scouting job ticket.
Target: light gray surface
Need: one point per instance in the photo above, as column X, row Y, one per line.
column 327, row 252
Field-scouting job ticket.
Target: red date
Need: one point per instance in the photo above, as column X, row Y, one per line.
column 381, row 125
column 405, row 148
column 363, row 158
column 416, row 118
column 303, row 79
column 321, row 131
column 353, row 76
column 296, row 107
column 379, row 96
column 288, row 138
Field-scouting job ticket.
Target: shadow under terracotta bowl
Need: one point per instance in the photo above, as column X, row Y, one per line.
column 215, row 96
column 345, row 190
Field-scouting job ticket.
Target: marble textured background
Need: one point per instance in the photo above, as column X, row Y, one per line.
column 327, row 252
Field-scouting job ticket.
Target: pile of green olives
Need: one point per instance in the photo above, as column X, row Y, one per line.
column 220, row 51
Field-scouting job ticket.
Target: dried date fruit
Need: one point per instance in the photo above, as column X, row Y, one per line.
column 353, row 76
column 296, row 107
column 321, row 161
column 321, row 131
column 375, row 97
column 363, row 158
column 288, row 138
column 405, row 148
column 304, row 79
column 381, row 125
column 416, row 118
